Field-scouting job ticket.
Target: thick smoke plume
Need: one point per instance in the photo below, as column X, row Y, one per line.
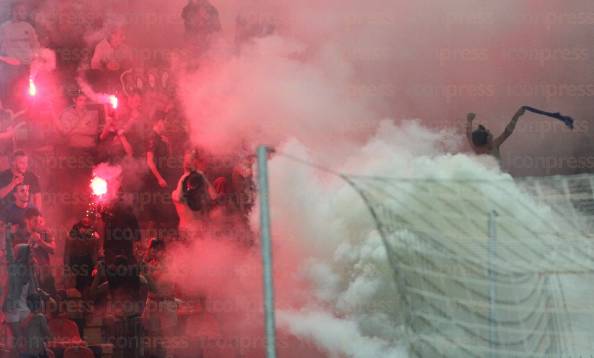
column 321, row 87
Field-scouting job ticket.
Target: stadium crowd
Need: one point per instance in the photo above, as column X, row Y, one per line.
column 63, row 245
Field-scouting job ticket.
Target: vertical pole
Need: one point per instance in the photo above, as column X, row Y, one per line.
column 492, row 249
column 266, row 252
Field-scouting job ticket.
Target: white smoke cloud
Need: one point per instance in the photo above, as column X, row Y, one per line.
column 338, row 337
column 353, row 297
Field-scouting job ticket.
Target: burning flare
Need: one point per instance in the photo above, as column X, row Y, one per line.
column 32, row 87
column 113, row 100
column 99, row 186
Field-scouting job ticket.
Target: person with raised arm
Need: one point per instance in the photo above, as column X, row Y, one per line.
column 18, row 174
column 482, row 140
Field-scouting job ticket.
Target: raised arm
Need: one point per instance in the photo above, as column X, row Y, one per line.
column 97, row 59
column 4, row 191
column 469, row 118
column 511, row 126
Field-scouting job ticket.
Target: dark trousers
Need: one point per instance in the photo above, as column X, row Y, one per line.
column 13, row 85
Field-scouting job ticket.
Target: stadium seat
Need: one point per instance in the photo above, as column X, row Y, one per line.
column 5, row 339
column 78, row 352
column 64, row 333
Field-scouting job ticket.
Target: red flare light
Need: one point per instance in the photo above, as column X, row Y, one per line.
column 32, row 88
column 113, row 100
column 99, row 186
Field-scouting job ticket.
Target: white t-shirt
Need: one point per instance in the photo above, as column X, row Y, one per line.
column 19, row 40
column 81, row 130
column 105, row 53
column 43, row 62
column 102, row 55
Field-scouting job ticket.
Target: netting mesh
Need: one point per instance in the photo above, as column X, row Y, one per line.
column 490, row 268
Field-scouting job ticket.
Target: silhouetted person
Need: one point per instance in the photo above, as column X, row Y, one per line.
column 193, row 196
column 35, row 330
column 162, row 175
column 120, row 285
column 201, row 18
column 21, row 284
column 160, row 314
column 482, row 140
column 81, row 252
column 43, row 246
column 202, row 24
column 121, row 231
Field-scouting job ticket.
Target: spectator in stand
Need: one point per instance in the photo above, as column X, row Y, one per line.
column 179, row 130
column 18, row 43
column 78, row 135
column 21, row 283
column 81, row 254
column 158, row 152
column 122, row 231
column 111, row 58
column 9, row 125
column 43, row 247
column 124, row 290
column 35, row 329
column 111, row 53
column 482, row 140
column 40, row 130
column 79, row 126
column 14, row 213
column 201, row 22
column 200, row 18
column 114, row 144
column 133, row 124
column 17, row 174
column 160, row 314
column 193, row 196
column 44, row 60
column 123, row 133
column 161, row 177
column 82, row 251
column 243, row 186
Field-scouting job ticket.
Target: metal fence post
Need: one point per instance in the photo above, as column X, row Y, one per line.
column 492, row 252
column 266, row 252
